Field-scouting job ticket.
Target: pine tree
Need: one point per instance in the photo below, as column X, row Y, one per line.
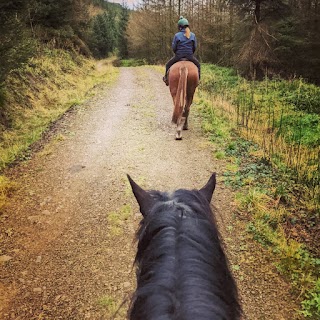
column 15, row 41
column 122, row 39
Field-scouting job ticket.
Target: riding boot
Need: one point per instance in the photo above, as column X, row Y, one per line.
column 165, row 80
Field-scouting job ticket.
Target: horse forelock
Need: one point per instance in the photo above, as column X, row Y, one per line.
column 181, row 268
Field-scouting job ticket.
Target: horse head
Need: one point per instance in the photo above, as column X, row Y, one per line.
column 182, row 271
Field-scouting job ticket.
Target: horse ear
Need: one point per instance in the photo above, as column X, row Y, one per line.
column 208, row 189
column 144, row 199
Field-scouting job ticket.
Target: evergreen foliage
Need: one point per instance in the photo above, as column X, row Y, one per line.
column 103, row 37
column 122, row 39
column 51, row 13
column 68, row 24
column 28, row 28
column 15, row 41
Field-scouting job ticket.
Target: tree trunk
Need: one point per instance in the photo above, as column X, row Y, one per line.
column 257, row 11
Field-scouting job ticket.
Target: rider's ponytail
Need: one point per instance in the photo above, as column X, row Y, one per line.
column 187, row 33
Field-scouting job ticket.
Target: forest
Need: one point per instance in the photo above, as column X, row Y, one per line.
column 258, row 38
column 87, row 27
column 261, row 76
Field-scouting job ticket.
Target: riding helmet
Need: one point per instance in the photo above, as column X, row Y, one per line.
column 183, row 22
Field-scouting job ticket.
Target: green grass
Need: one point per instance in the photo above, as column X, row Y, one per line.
column 271, row 146
column 214, row 124
column 112, row 307
column 108, row 302
column 300, row 128
column 38, row 93
column 220, row 154
column 280, row 116
column 117, row 219
column 267, row 203
column 132, row 62
column 311, row 304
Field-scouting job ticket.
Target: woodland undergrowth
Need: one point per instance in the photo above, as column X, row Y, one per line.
column 269, row 132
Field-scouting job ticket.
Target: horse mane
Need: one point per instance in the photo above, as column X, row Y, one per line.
column 182, row 272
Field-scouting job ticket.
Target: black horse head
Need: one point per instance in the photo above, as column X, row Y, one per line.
column 182, row 271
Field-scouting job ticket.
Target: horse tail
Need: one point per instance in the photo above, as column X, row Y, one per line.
column 181, row 95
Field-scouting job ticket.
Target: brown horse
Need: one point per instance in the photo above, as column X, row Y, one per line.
column 183, row 80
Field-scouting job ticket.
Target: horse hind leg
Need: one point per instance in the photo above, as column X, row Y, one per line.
column 182, row 123
column 185, row 116
column 180, row 127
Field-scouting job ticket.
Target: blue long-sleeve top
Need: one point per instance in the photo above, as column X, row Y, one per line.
column 182, row 46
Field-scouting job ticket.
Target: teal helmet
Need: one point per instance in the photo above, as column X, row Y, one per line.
column 183, row 22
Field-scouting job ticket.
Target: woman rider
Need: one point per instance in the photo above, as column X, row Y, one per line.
column 184, row 45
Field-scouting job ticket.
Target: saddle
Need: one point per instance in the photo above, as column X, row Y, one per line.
column 166, row 77
column 182, row 59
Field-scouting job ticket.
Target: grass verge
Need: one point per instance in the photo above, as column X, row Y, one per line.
column 40, row 92
column 278, row 213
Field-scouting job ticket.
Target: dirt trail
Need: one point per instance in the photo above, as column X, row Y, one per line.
column 68, row 231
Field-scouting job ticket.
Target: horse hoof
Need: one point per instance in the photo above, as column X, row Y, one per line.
column 179, row 136
column 185, row 128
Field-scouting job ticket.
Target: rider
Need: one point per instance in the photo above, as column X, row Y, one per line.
column 184, row 45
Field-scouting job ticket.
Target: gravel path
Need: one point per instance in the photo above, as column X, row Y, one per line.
column 67, row 236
